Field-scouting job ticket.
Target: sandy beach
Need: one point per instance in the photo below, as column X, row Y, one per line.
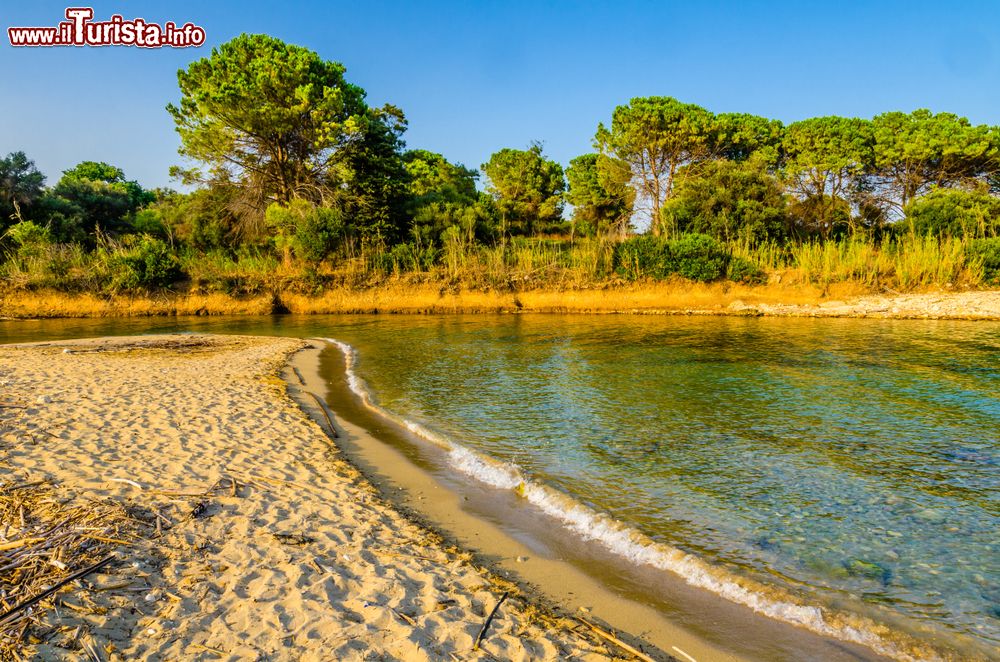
column 252, row 538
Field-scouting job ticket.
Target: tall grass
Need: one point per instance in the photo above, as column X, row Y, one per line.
column 904, row 263
column 901, row 263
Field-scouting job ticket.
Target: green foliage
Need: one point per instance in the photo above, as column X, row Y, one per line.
column 93, row 198
column 373, row 195
column 310, row 232
column 20, row 187
column 987, row 253
column 432, row 178
column 915, row 151
column 28, row 238
column 693, row 256
column 654, row 137
column 741, row 137
column 600, row 201
column 729, row 201
column 528, row 190
column 699, row 257
column 268, row 115
column 956, row 213
column 825, row 159
column 742, row 270
column 140, row 262
column 202, row 219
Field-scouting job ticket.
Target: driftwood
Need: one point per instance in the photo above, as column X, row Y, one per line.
column 489, row 619
column 326, row 415
column 299, row 375
column 604, row 634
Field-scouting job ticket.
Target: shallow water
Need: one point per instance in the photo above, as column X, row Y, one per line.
column 852, row 465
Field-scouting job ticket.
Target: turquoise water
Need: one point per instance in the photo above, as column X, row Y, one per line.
column 851, row 467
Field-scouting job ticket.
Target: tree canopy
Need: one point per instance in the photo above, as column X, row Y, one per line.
column 269, row 115
column 528, row 189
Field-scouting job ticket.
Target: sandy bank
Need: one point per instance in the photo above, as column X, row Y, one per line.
column 270, row 546
column 672, row 298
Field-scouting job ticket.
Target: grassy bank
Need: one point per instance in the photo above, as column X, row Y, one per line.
column 599, row 276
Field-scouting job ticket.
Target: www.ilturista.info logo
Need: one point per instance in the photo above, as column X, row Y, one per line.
column 80, row 30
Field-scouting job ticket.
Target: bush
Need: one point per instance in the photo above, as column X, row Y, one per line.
column 988, row 252
column 694, row 256
column 30, row 239
column 644, row 256
column 141, row 262
column 742, row 270
column 955, row 213
column 699, row 257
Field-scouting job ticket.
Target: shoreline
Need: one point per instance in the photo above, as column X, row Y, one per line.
column 295, row 556
column 552, row 582
column 671, row 298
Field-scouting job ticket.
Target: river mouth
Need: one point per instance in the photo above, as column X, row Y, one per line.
column 850, row 461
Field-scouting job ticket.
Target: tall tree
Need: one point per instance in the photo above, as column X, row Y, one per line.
column 825, row 158
column 369, row 183
column 527, row 187
column 601, row 198
column 270, row 116
column 20, row 187
column 655, row 137
column 916, row 151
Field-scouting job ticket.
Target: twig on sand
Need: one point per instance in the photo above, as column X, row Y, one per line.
column 604, row 634
column 55, row 587
column 489, row 619
column 299, row 375
column 404, row 617
column 127, row 482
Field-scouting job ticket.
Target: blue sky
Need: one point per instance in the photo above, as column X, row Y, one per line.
column 473, row 77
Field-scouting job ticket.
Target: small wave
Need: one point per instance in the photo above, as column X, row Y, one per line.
column 637, row 548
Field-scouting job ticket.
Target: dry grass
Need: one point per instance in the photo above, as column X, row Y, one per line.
column 50, row 303
column 405, row 296
column 43, row 540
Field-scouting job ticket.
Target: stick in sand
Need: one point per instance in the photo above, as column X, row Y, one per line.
column 58, row 585
column 618, row 642
column 489, row 619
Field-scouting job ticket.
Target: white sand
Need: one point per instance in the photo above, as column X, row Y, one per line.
column 181, row 414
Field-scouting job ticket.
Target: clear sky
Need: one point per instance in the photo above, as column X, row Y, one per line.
column 475, row 76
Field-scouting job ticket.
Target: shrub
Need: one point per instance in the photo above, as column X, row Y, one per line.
column 30, row 239
column 644, row 256
column 729, row 201
column 988, row 252
column 694, row 256
column 141, row 262
column 742, row 270
column 699, row 257
column 955, row 213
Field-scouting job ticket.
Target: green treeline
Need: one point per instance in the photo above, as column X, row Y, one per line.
column 299, row 183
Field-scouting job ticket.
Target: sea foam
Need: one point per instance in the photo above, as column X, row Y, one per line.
column 632, row 545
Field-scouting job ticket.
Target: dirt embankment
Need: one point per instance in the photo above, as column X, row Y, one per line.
column 672, row 298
